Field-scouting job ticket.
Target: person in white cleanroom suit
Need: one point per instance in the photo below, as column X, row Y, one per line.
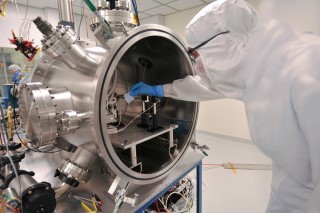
column 275, row 71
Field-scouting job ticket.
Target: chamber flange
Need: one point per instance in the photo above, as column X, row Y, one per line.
column 47, row 113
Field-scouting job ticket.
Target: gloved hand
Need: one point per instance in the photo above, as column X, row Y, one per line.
column 145, row 89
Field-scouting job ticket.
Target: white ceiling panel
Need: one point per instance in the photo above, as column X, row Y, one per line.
column 51, row 4
column 185, row 4
column 143, row 15
column 39, row 3
column 144, row 5
column 164, row 1
column 162, row 10
column 209, row 1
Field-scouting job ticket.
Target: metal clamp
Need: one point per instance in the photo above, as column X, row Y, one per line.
column 119, row 190
column 121, row 198
column 194, row 145
column 69, row 121
column 74, row 171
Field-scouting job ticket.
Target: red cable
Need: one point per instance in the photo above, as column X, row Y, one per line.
column 157, row 206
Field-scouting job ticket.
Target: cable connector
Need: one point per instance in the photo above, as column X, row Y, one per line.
column 194, row 145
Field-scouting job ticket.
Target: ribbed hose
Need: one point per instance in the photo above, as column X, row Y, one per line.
column 44, row 26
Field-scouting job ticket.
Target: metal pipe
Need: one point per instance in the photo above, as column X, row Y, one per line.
column 85, row 155
column 4, row 65
column 65, row 13
column 62, row 189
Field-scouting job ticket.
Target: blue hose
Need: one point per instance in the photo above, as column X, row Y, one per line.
column 135, row 11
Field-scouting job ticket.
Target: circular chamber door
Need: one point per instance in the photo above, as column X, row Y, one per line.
column 143, row 140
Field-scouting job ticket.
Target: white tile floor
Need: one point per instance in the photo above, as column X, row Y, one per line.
column 223, row 191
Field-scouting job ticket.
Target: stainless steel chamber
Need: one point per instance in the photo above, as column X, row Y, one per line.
column 78, row 94
column 75, row 102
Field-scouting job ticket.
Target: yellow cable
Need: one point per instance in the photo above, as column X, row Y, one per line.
column 94, row 204
column 233, row 169
column 85, row 207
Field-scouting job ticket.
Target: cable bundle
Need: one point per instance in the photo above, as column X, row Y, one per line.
column 179, row 199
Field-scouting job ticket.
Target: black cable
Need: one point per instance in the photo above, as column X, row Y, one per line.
column 13, row 105
column 126, row 86
column 190, row 50
column 37, row 150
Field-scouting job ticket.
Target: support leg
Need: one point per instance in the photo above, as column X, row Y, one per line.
column 199, row 188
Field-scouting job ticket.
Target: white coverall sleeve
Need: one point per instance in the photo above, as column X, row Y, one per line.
column 305, row 95
column 191, row 88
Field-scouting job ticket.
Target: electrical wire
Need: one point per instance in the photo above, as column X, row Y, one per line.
column 134, row 4
column 14, row 122
column 24, row 28
column 126, row 86
column 49, row 151
column 82, row 199
column 210, row 164
column 122, row 129
column 82, row 10
column 164, row 206
column 185, row 198
column 170, row 201
column 25, row 15
column 4, row 136
column 114, row 82
column 15, row 3
column 209, row 168
column 10, row 207
column 120, row 117
column 156, row 203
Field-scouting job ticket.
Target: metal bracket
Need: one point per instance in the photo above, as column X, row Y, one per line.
column 119, row 190
column 121, row 198
column 194, row 145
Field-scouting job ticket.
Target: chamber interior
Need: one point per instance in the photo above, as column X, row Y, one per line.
column 159, row 136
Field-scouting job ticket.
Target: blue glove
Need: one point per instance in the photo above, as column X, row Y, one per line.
column 145, row 89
